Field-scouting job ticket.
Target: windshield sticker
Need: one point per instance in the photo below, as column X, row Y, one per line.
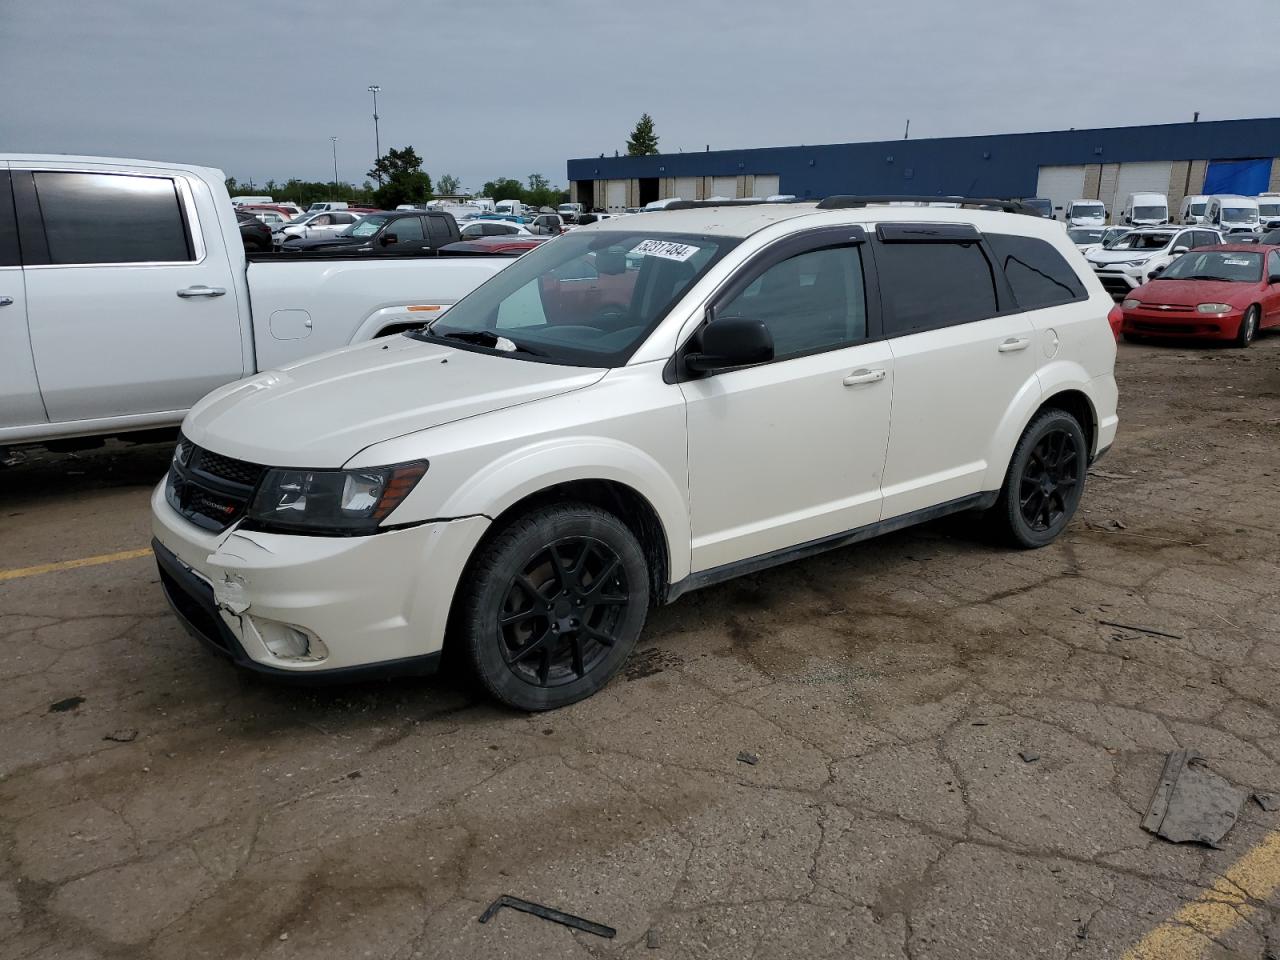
column 666, row 249
column 1238, row 263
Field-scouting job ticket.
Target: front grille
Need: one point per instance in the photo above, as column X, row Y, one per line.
column 1116, row 286
column 209, row 489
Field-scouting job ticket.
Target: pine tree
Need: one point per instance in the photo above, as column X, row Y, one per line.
column 643, row 140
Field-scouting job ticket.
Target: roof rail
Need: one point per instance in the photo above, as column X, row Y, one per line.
column 844, row 202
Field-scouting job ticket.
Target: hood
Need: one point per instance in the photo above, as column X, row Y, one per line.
column 1121, row 256
column 322, row 411
column 1192, row 292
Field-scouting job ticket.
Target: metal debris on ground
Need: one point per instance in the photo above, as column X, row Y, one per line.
column 1192, row 804
column 1148, row 630
column 749, row 758
column 122, row 736
column 547, row 913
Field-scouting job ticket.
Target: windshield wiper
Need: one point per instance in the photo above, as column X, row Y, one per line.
column 485, row 338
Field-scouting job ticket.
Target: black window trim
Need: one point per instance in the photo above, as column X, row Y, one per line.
column 33, row 237
column 8, row 208
column 809, row 241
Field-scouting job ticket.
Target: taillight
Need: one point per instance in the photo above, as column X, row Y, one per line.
column 1115, row 318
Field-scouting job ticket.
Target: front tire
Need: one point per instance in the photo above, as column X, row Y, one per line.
column 1248, row 328
column 555, row 604
column 1045, row 480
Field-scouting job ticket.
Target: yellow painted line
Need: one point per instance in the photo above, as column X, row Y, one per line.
column 1185, row 935
column 73, row 564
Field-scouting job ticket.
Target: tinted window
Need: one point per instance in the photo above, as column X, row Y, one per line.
column 1184, row 240
column 343, row 218
column 438, row 231
column 111, row 218
column 1273, row 264
column 407, row 230
column 810, row 302
column 1205, row 238
column 9, row 253
column 930, row 285
column 1040, row 277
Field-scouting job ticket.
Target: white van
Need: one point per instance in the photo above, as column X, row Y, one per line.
column 238, row 201
column 1269, row 210
column 321, row 206
column 1145, row 210
column 1086, row 213
column 512, row 208
column 1191, row 210
column 1232, row 214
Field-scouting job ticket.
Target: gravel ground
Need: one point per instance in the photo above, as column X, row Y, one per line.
column 154, row 803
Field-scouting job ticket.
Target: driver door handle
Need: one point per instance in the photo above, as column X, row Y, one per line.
column 1014, row 344
column 864, row 376
column 200, row 290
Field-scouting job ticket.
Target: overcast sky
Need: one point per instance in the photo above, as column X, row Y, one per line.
column 487, row 88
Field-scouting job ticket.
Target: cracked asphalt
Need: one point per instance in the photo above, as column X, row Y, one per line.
column 156, row 804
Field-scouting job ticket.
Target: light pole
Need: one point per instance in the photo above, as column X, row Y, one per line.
column 334, row 141
column 377, row 144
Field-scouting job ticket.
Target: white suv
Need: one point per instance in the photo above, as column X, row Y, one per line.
column 641, row 408
column 1130, row 262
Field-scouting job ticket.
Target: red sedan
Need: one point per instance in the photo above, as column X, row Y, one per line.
column 1226, row 292
column 507, row 243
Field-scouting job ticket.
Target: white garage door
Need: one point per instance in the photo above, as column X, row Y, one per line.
column 1061, row 185
column 766, row 185
column 1138, row 178
column 687, row 188
column 617, row 195
column 724, row 187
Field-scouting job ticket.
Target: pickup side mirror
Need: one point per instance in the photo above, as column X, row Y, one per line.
column 731, row 342
column 388, row 239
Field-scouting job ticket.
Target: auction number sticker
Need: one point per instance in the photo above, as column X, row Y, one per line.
column 1238, row 263
column 667, row 249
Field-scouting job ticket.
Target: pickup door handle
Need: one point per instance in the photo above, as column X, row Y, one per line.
column 864, row 376
column 200, row 290
column 1014, row 344
column 6, row 301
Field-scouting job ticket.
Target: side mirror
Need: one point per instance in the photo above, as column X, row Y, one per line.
column 1274, row 278
column 1178, row 250
column 388, row 239
column 731, row 342
column 1155, row 273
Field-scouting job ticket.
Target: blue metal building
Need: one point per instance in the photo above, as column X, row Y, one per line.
column 1108, row 163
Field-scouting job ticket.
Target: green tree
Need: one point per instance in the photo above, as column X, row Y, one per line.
column 447, row 185
column 505, row 188
column 402, row 177
column 643, row 141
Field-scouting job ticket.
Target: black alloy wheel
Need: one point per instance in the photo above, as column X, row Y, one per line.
column 552, row 604
column 1045, row 480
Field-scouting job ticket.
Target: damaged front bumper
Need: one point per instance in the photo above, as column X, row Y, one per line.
column 320, row 607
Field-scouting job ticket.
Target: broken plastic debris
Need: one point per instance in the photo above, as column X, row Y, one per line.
column 1192, row 804
column 547, row 913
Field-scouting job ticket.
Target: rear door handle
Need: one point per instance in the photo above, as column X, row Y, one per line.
column 1014, row 344
column 200, row 290
column 6, row 301
column 864, row 376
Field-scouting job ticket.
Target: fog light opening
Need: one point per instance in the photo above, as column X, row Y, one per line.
column 287, row 642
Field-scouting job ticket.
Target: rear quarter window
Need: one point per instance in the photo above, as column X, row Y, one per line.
column 10, row 255
column 1039, row 275
column 925, row 286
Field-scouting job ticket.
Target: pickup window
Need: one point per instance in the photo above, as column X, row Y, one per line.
column 112, row 218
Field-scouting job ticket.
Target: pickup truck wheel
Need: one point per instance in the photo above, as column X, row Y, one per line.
column 1045, row 480
column 555, row 605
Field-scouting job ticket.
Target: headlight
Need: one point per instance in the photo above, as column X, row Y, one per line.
column 338, row 502
column 1136, row 263
column 1130, row 304
column 1214, row 308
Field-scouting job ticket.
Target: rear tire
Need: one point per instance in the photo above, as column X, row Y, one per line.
column 553, row 606
column 1045, row 481
column 1248, row 328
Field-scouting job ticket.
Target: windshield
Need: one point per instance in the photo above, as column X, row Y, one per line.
column 1216, row 265
column 1197, row 209
column 1044, row 207
column 366, row 227
column 1142, row 241
column 1240, row 214
column 587, row 298
column 1269, row 209
column 1088, row 212
column 1111, row 235
column 1150, row 213
column 1271, row 238
column 1082, row 235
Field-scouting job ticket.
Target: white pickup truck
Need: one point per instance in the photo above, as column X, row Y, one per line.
column 126, row 296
